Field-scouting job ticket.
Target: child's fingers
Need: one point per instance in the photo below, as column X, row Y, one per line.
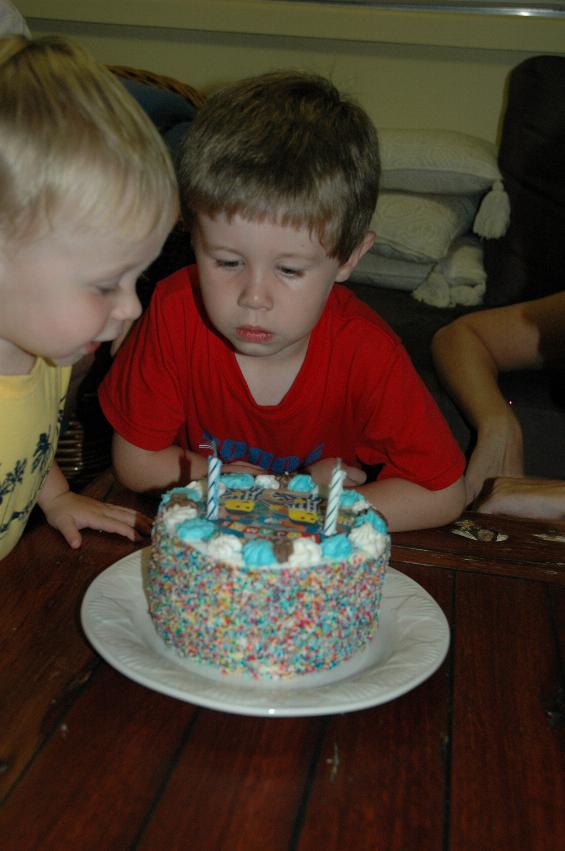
column 116, row 526
column 355, row 476
column 86, row 513
column 69, row 530
column 135, row 519
column 120, row 521
column 242, row 467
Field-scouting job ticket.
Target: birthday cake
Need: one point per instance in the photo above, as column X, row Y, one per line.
column 262, row 584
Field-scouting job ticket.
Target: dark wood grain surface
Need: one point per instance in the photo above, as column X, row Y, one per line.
column 471, row 759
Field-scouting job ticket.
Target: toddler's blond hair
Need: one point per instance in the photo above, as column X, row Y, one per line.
column 70, row 132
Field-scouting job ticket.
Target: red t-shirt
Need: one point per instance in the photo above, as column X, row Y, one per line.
column 356, row 397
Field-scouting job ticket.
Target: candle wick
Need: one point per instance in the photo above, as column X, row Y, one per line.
column 211, row 446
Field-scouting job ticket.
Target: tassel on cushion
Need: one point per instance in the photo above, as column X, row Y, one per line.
column 493, row 216
column 434, row 290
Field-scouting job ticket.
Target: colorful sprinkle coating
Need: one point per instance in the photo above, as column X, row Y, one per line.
column 268, row 619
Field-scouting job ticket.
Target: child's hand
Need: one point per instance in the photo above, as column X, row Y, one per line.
column 68, row 512
column 321, row 472
column 243, row 467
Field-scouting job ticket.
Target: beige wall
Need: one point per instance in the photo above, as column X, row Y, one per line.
column 410, row 69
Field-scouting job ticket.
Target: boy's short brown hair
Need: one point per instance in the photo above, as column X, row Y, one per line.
column 70, row 132
column 285, row 146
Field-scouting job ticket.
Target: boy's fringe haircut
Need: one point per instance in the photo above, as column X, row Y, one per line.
column 288, row 147
column 69, row 131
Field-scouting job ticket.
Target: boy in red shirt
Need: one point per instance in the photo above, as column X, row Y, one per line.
column 257, row 347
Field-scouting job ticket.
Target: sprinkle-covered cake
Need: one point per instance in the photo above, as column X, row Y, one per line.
column 255, row 586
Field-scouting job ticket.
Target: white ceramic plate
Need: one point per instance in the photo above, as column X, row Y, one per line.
column 411, row 643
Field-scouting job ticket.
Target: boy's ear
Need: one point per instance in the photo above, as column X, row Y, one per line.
column 347, row 268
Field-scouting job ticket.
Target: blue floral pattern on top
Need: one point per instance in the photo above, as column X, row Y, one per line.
column 41, row 462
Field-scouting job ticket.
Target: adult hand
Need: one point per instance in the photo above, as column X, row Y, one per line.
column 499, row 452
column 541, row 499
column 69, row 512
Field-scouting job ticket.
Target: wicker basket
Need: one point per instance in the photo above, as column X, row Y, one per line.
column 159, row 81
column 81, row 456
column 84, row 447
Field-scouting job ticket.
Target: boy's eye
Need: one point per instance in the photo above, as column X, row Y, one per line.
column 293, row 273
column 227, row 264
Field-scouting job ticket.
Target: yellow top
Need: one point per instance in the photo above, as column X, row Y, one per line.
column 30, row 421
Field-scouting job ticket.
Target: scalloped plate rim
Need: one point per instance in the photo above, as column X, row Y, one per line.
column 410, row 645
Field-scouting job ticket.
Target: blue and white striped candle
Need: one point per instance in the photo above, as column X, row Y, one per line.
column 336, row 487
column 214, row 470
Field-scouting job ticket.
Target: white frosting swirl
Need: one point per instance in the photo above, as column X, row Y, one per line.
column 197, row 485
column 226, row 548
column 177, row 514
column 266, row 482
column 305, row 552
column 360, row 505
column 366, row 538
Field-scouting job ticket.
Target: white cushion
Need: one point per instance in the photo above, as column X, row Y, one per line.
column 438, row 161
column 420, row 228
column 389, row 272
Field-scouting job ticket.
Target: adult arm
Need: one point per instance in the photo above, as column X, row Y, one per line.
column 470, row 353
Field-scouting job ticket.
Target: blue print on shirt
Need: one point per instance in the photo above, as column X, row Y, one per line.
column 40, row 464
column 231, row 450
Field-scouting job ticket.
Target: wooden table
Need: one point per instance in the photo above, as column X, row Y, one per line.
column 471, row 759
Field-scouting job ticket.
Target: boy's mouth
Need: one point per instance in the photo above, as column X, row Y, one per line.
column 253, row 334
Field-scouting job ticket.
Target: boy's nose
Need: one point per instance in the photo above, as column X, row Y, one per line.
column 256, row 294
column 128, row 306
